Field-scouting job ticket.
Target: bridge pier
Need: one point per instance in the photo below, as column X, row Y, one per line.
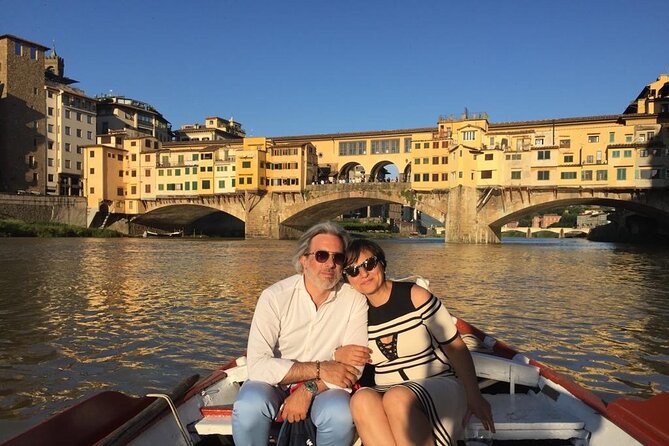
column 464, row 223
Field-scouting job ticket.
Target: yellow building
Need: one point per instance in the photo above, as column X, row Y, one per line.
column 626, row 150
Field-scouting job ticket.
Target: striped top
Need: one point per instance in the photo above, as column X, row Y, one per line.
column 405, row 340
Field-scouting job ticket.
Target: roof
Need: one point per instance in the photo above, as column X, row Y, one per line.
column 22, row 40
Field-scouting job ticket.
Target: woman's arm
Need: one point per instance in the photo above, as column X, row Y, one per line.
column 461, row 360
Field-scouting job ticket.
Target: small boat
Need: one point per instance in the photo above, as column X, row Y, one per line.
column 529, row 402
column 179, row 233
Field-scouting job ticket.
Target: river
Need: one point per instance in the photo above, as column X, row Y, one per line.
column 81, row 315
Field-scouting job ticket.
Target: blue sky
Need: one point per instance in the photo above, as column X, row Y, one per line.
column 303, row 67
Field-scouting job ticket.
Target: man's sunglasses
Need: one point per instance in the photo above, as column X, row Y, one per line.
column 322, row 256
column 354, row 270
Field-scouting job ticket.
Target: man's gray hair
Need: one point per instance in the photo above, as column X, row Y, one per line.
column 303, row 243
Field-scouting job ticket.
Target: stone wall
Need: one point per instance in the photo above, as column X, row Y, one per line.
column 41, row 209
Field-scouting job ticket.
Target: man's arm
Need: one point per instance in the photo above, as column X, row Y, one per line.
column 263, row 337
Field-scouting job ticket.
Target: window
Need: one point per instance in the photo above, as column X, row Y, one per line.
column 627, row 153
column 49, row 162
column 67, row 114
column 147, row 172
column 91, row 170
column 426, row 177
column 133, row 173
column 515, row 174
column 543, row 175
column 628, row 138
column 643, row 153
column 68, row 164
column 615, row 154
column 120, row 173
column 386, row 146
column 489, row 156
column 569, row 158
column 241, row 180
column 133, row 190
column 602, row 175
column 469, row 135
column 612, row 137
column 435, row 177
column 162, row 187
column 593, row 138
column 133, row 157
column 621, row 174
column 147, row 188
column 444, row 177
column 347, row 148
column 407, row 144
column 17, row 48
column 67, row 130
column 89, row 135
column 221, row 184
column 426, row 145
column 49, row 111
column 486, row 174
column 78, row 165
column 49, row 128
column 444, row 160
column 68, row 148
column 92, row 154
column 177, row 172
column 586, row 175
column 418, row 145
column 543, row 155
column 246, row 164
column 416, row 177
column 435, row 160
column 567, row 175
column 538, row 141
column 416, row 161
column 33, row 53
column 92, row 190
column 565, row 143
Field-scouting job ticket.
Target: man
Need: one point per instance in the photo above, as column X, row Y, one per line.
column 297, row 325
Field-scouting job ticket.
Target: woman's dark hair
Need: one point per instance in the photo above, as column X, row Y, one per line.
column 358, row 245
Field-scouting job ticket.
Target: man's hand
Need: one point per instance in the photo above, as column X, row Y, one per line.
column 342, row 375
column 353, row 355
column 296, row 405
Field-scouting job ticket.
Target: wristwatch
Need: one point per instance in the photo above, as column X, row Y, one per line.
column 311, row 387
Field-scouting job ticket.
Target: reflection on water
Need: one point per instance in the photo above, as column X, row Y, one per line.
column 80, row 315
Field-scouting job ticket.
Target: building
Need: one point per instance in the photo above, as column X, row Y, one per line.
column 621, row 151
column 214, row 129
column 134, row 117
column 23, row 142
column 71, row 121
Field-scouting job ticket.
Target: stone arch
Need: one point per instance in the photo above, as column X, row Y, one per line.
column 181, row 215
column 378, row 171
column 639, row 207
column 351, row 172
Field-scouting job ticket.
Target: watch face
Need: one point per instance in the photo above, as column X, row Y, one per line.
column 311, row 387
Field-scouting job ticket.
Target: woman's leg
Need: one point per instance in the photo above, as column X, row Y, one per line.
column 409, row 424
column 370, row 419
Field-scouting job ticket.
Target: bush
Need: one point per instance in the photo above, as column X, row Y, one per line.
column 18, row 228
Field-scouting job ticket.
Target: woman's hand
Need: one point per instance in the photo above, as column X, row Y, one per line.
column 479, row 406
column 356, row 355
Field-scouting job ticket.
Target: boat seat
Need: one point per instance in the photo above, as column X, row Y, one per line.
column 499, row 369
column 531, row 417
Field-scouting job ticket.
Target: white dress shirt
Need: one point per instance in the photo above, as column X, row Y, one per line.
column 286, row 327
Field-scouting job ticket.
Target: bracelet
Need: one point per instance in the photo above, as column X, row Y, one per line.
column 318, row 370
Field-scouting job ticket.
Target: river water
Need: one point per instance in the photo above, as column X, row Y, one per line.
column 81, row 315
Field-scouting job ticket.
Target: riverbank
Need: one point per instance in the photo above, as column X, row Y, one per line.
column 18, row 228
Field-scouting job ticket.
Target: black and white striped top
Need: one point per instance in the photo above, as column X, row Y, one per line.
column 405, row 340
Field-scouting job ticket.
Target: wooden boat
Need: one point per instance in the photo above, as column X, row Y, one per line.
column 529, row 400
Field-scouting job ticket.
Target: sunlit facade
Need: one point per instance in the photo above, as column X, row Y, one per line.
column 627, row 150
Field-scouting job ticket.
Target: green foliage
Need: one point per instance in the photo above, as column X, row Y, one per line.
column 358, row 226
column 18, row 228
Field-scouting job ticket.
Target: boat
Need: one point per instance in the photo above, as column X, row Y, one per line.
column 530, row 401
column 179, row 233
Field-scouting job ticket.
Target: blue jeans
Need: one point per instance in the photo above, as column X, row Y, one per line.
column 258, row 403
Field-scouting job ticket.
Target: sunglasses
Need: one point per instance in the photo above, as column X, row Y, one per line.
column 354, row 270
column 323, row 256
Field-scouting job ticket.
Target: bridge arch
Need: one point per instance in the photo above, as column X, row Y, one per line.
column 193, row 217
column 649, row 205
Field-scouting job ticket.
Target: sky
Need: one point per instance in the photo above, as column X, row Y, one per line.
column 283, row 67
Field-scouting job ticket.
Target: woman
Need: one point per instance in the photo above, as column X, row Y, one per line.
column 416, row 351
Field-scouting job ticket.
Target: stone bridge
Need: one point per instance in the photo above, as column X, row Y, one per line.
column 44, row 208
column 470, row 215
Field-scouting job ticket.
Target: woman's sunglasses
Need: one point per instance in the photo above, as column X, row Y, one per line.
column 354, row 270
column 322, row 256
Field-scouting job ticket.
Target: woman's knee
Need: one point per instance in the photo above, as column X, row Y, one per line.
column 399, row 400
column 363, row 401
